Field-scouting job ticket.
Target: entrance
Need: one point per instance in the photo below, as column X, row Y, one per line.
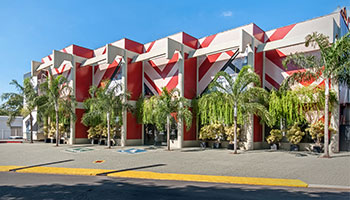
column 344, row 129
column 344, row 138
column 158, row 138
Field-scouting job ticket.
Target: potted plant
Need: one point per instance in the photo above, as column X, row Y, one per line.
column 49, row 132
column 274, row 138
column 212, row 132
column 204, row 136
column 316, row 131
column 294, row 136
column 229, row 131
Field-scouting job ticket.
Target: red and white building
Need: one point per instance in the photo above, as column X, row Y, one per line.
column 188, row 63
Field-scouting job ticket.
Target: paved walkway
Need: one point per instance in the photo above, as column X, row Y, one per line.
column 192, row 161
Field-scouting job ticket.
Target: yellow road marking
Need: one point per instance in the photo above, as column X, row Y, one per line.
column 56, row 170
column 210, row 178
column 161, row 176
column 7, row 168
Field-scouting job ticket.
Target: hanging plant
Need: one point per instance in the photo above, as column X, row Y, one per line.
column 291, row 105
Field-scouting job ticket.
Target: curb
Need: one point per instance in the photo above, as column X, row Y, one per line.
column 338, row 187
column 157, row 176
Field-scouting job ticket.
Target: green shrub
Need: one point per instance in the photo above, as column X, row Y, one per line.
column 274, row 137
column 295, row 135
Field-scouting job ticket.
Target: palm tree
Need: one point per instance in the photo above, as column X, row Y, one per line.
column 160, row 109
column 13, row 102
column 31, row 102
column 58, row 97
column 241, row 94
column 333, row 65
column 106, row 102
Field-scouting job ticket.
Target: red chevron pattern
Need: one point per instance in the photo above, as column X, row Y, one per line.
column 161, row 72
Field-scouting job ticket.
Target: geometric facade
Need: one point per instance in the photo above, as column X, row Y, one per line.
column 187, row 63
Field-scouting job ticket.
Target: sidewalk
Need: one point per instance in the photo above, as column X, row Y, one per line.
column 191, row 161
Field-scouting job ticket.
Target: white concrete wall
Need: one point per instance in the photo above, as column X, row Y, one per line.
column 5, row 130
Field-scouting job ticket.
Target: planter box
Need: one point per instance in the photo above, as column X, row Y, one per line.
column 203, row 145
column 231, row 146
column 102, row 142
column 216, row 145
column 274, row 147
column 47, row 140
column 157, row 143
column 94, row 141
column 317, row 149
column 294, row 147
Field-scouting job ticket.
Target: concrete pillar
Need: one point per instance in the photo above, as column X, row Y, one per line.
column 180, row 131
column 124, row 82
column 72, row 122
column 334, row 120
column 249, row 126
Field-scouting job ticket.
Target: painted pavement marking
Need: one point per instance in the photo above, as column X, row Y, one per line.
column 132, row 151
column 98, row 161
column 78, row 150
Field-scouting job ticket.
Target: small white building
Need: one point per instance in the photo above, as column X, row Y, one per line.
column 15, row 129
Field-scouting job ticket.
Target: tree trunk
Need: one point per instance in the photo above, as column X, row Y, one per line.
column 168, row 132
column 57, row 126
column 108, row 132
column 31, row 127
column 235, row 130
column 326, row 120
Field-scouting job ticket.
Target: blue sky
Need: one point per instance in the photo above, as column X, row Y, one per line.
column 30, row 30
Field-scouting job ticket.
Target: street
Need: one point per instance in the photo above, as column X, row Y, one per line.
column 42, row 186
column 258, row 163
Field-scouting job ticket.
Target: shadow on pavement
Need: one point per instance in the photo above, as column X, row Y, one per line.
column 40, row 165
column 128, row 169
column 135, row 189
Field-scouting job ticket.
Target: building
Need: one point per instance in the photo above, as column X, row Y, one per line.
column 14, row 130
column 188, row 63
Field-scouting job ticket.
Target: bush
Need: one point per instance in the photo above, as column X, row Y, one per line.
column 230, row 133
column 50, row 130
column 217, row 132
column 274, row 137
column 295, row 135
column 212, row 132
column 100, row 131
column 316, row 131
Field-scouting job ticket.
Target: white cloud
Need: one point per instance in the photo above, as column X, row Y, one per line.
column 227, row 13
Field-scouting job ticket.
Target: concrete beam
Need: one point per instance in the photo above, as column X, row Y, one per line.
column 59, row 57
column 214, row 49
column 241, row 44
column 34, row 66
column 168, row 52
column 281, row 43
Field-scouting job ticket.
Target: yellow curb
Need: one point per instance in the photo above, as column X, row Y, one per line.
column 161, row 176
column 7, row 168
column 56, row 170
column 212, row 179
column 61, row 170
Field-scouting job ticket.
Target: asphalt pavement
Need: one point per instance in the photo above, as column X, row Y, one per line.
column 44, row 186
column 304, row 166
